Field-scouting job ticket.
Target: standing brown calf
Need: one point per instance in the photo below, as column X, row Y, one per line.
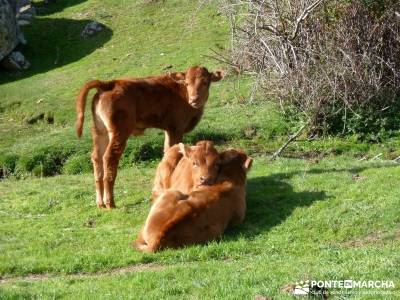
column 176, row 219
column 125, row 107
column 184, row 168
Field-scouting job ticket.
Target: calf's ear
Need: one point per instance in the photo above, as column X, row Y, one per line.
column 217, row 75
column 228, row 155
column 178, row 77
column 247, row 164
column 184, row 149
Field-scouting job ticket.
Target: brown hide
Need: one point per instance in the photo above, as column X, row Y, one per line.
column 125, row 107
column 176, row 219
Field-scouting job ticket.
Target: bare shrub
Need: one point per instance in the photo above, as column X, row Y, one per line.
column 337, row 63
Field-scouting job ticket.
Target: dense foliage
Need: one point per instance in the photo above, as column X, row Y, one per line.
column 337, row 63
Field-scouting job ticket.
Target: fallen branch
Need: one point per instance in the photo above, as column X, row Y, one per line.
column 376, row 156
column 291, row 138
column 363, row 158
column 221, row 58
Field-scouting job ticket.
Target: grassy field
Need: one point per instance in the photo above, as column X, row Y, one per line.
column 337, row 219
column 321, row 213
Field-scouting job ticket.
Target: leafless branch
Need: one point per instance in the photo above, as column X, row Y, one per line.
column 291, row 139
column 304, row 16
column 330, row 69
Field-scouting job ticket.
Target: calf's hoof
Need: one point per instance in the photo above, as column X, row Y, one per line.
column 110, row 205
column 101, row 205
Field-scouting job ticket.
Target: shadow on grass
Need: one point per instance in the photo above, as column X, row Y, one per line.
column 218, row 137
column 270, row 199
column 44, row 9
column 53, row 43
column 353, row 170
column 269, row 202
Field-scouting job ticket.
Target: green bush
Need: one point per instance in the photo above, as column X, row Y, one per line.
column 37, row 165
column 44, row 161
column 139, row 150
column 337, row 68
column 211, row 134
column 78, row 164
column 373, row 124
column 7, row 164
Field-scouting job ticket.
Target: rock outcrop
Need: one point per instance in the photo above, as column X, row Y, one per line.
column 92, row 29
column 13, row 14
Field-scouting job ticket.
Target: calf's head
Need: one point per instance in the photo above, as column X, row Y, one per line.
column 197, row 81
column 205, row 162
column 235, row 165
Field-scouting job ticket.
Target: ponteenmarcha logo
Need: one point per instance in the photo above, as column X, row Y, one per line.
column 351, row 284
column 308, row 287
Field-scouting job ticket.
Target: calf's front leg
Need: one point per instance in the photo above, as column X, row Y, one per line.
column 172, row 138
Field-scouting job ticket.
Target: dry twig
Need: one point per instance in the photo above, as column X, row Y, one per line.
column 291, row 139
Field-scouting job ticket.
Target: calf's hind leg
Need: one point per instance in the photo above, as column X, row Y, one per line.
column 110, row 164
column 100, row 142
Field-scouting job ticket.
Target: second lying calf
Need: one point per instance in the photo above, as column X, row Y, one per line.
column 184, row 168
column 177, row 219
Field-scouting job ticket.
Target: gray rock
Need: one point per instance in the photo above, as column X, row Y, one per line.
column 9, row 29
column 92, row 29
column 21, row 38
column 25, row 19
column 14, row 5
column 22, row 22
column 27, row 9
column 15, row 61
column 14, row 13
column 22, row 3
column 25, row 16
column 26, row 13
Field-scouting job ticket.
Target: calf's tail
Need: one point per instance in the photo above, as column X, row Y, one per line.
column 81, row 100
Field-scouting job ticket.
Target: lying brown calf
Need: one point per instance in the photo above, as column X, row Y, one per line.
column 125, row 107
column 176, row 219
column 184, row 168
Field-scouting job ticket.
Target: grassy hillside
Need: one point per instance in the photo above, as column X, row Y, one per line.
column 141, row 38
column 326, row 216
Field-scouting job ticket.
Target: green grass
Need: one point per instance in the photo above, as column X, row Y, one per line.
column 325, row 216
column 141, row 38
column 304, row 221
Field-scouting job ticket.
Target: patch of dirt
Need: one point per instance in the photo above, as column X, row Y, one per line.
column 260, row 297
column 48, row 117
column 311, row 156
column 358, row 177
column 249, row 132
column 116, row 271
column 372, row 238
column 288, row 288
